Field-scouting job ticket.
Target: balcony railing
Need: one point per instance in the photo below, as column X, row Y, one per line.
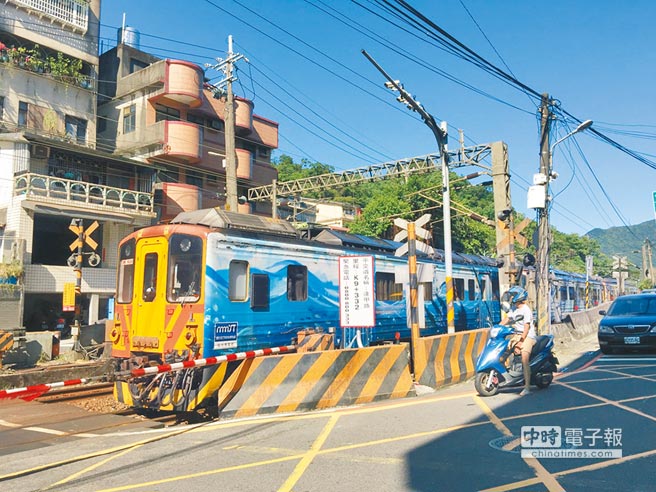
column 74, row 13
column 61, row 190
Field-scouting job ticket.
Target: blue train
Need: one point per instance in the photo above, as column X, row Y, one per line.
column 214, row 282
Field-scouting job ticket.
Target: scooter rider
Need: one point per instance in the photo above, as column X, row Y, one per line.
column 525, row 337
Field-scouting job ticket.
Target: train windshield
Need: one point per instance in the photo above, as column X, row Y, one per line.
column 184, row 269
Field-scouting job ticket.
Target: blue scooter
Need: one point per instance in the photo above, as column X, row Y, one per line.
column 491, row 372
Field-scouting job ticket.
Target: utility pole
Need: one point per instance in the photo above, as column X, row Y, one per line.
column 647, row 266
column 620, row 272
column 227, row 67
column 505, row 234
column 542, row 269
column 440, row 134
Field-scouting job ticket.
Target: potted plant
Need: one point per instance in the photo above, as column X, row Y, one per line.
column 10, row 272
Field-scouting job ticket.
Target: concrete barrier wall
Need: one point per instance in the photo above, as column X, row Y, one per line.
column 447, row 359
column 315, row 380
column 579, row 324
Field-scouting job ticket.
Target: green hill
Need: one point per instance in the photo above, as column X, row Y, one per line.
column 625, row 241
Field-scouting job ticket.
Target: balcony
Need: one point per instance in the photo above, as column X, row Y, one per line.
column 175, row 81
column 244, row 164
column 243, row 116
column 69, row 13
column 50, row 191
column 180, row 141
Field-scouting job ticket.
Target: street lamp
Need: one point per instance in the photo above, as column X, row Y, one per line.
column 440, row 133
column 583, row 126
column 540, row 198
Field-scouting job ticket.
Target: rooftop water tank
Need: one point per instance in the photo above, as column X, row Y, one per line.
column 129, row 36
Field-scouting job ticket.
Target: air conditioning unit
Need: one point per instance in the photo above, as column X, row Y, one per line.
column 39, row 151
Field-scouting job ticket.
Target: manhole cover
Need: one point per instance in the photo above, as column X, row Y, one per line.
column 509, row 444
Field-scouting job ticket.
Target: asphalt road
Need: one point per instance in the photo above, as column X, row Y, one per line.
column 448, row 440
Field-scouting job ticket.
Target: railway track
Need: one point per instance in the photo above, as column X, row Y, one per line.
column 98, row 398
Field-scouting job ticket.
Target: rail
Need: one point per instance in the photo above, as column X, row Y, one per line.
column 38, row 185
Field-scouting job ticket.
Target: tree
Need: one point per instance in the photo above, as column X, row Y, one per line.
column 412, row 196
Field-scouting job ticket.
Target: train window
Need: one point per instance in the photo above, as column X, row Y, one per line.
column 260, row 297
column 386, row 288
column 297, row 283
column 125, row 287
column 458, row 289
column 471, row 289
column 185, row 267
column 150, row 278
column 238, row 281
column 428, row 290
column 485, row 295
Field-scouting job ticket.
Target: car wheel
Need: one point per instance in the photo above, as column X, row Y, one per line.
column 606, row 350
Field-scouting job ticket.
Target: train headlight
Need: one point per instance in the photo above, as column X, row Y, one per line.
column 185, row 244
column 190, row 338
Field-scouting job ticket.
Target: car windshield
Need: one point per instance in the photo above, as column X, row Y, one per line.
column 635, row 306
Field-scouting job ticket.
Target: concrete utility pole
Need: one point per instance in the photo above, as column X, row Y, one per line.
column 503, row 208
column 539, row 199
column 620, row 272
column 647, row 265
column 542, row 263
column 231, row 155
column 440, row 134
column 227, row 66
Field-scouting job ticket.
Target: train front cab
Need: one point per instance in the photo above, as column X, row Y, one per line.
column 159, row 318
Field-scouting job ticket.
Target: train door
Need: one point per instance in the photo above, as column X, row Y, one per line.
column 149, row 291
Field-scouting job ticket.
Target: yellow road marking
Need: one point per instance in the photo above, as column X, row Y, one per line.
column 309, row 456
column 610, row 402
column 299, row 456
column 204, row 473
column 93, row 467
column 645, row 377
column 542, row 474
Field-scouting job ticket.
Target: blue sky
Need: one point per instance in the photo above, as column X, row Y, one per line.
column 597, row 58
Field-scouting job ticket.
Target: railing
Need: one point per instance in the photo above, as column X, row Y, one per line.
column 51, row 187
column 72, row 12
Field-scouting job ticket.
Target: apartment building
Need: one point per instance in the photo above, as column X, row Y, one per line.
column 163, row 112
column 124, row 154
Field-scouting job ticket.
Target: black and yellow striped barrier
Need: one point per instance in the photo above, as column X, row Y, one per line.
column 316, row 380
column 6, row 343
column 448, row 359
column 6, row 340
column 310, row 341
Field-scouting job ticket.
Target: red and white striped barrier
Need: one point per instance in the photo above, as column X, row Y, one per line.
column 210, row 361
column 29, row 393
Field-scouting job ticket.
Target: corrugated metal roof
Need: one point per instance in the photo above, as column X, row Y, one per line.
column 221, row 219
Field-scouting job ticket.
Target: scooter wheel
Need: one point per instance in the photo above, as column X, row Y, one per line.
column 543, row 381
column 481, row 382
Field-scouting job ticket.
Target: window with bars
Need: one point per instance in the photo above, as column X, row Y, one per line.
column 129, row 118
column 23, row 109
